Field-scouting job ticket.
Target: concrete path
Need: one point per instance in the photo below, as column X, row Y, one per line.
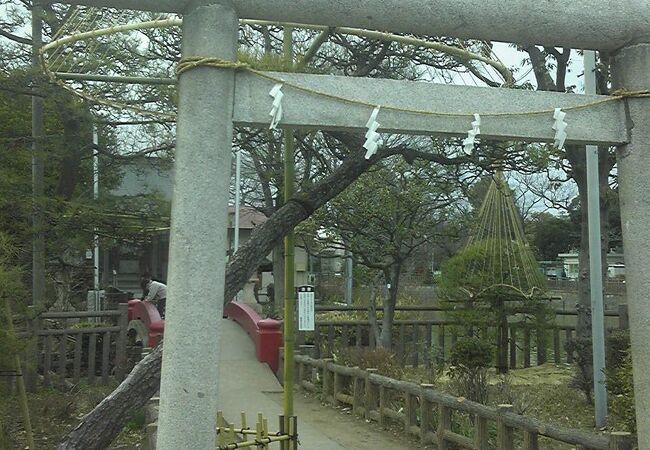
column 248, row 385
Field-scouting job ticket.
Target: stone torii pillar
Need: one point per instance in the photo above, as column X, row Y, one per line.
column 197, row 250
column 631, row 71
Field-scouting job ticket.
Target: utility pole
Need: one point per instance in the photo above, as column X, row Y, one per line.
column 289, row 241
column 96, row 198
column 595, row 260
column 38, row 191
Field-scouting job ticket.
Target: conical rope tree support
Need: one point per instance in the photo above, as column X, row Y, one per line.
column 496, row 277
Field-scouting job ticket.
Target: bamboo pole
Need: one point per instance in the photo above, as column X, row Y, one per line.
column 289, row 284
column 22, row 393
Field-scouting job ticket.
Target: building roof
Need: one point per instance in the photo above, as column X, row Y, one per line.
column 249, row 218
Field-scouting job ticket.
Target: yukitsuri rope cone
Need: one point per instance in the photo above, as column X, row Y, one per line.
column 494, row 283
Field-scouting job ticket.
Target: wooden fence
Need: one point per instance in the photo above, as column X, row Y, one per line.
column 96, row 354
column 427, row 341
column 437, row 417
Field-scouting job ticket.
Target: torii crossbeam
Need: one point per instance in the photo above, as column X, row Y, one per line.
column 205, row 121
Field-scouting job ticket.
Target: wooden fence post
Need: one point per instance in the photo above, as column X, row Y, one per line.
column 330, row 340
column 416, row 345
column 623, row 317
column 541, row 339
column 481, row 433
column 317, row 342
column 106, row 350
column 338, row 382
column 120, row 351
column 569, row 351
column 531, row 441
column 359, row 336
column 63, row 356
column 428, row 346
column 370, row 400
column 92, row 348
column 78, row 349
column 513, row 348
column 526, row 347
column 358, row 390
column 620, row 440
column 441, row 345
column 426, row 416
column 444, row 424
column 557, row 354
column 410, row 412
column 327, row 380
column 383, row 400
column 504, row 432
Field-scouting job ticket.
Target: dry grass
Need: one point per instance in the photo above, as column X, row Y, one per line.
column 53, row 414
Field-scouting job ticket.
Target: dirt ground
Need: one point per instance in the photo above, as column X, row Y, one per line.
column 53, row 413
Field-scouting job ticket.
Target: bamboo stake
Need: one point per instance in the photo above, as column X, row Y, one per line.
column 22, row 393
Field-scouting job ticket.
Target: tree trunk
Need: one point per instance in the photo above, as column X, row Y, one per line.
column 502, row 339
column 278, row 275
column 372, row 313
column 99, row 427
column 392, row 276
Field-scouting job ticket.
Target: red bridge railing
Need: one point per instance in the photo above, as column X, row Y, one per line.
column 265, row 333
column 148, row 314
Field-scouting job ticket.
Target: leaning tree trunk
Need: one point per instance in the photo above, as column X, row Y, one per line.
column 99, row 427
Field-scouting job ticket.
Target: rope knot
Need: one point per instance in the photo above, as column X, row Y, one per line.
column 193, row 62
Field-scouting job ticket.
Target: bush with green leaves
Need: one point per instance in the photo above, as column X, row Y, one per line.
column 470, row 358
column 621, row 390
column 620, row 385
column 489, row 282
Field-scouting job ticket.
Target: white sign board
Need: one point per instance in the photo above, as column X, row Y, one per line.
column 306, row 308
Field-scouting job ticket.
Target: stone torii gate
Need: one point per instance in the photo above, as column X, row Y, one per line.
column 212, row 99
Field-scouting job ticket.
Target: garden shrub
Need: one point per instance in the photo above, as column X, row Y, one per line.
column 470, row 358
column 617, row 348
column 381, row 359
column 621, row 392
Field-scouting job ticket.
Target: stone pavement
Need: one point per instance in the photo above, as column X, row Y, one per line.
column 248, row 385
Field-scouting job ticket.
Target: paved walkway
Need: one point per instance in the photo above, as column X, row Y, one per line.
column 248, row 385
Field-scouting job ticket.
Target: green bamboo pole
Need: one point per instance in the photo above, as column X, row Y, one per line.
column 289, row 288
column 22, row 393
